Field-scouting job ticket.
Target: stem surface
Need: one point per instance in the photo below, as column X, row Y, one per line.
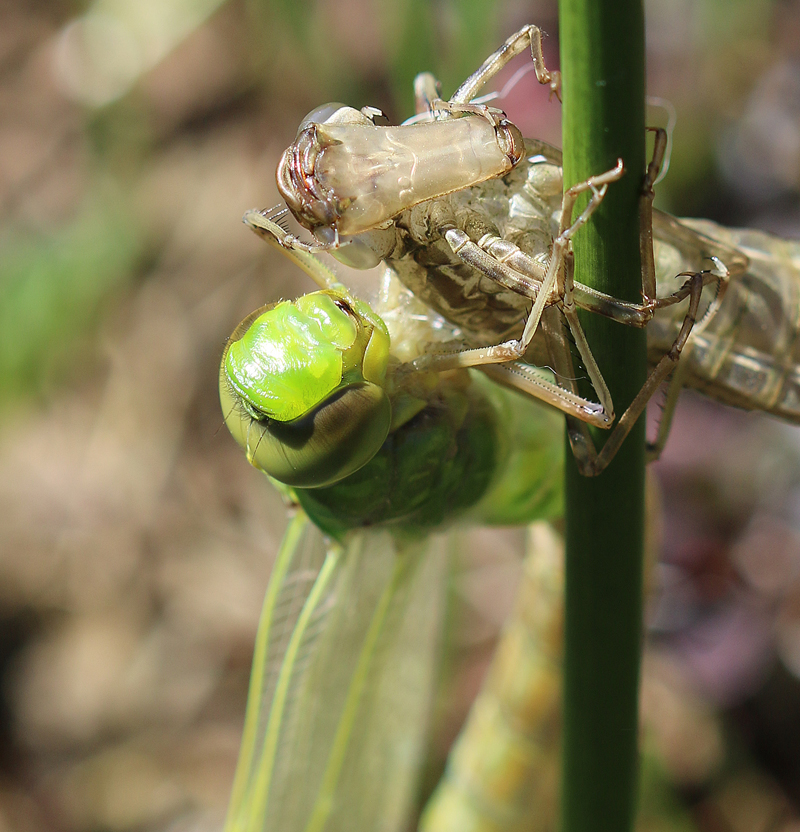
column 602, row 60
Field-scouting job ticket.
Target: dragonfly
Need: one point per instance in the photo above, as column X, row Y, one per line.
column 741, row 351
column 346, row 652
column 350, row 635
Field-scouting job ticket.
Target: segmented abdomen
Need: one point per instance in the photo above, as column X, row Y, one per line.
column 502, row 774
column 747, row 353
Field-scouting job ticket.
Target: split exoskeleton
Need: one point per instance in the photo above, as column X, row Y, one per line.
column 472, row 218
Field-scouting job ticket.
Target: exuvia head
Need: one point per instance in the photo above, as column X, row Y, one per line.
column 347, row 175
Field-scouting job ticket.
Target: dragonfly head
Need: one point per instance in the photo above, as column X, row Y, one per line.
column 302, row 386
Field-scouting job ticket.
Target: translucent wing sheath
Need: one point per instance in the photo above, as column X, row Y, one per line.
column 342, row 683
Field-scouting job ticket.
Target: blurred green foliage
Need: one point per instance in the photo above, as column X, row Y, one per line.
column 446, row 38
column 52, row 288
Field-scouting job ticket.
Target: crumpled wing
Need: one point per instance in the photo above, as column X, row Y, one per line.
column 342, row 683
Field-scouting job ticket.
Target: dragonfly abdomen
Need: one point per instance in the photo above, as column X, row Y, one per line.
column 503, row 772
column 747, row 354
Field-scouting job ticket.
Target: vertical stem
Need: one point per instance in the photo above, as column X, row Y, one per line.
column 602, row 60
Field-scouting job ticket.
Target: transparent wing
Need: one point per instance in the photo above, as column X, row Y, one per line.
column 342, row 683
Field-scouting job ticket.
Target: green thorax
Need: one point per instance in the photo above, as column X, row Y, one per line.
column 475, row 452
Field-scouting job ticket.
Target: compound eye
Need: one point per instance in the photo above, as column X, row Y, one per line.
column 319, row 115
column 320, row 448
column 334, row 113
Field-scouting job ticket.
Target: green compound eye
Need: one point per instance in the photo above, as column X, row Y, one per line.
column 289, row 357
column 322, row 447
column 301, row 387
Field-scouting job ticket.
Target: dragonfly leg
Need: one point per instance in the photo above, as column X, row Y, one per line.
column 558, row 282
column 558, row 276
column 654, row 448
column 527, row 37
column 266, row 224
column 505, row 263
column 562, row 394
column 590, row 461
column 646, row 215
column 427, row 89
column 580, row 411
column 728, row 262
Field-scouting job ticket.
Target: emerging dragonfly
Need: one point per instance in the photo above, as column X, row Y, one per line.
column 345, row 656
column 391, row 436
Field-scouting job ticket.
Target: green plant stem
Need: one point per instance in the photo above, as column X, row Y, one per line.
column 602, row 60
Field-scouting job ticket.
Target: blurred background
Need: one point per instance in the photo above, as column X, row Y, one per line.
column 135, row 541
